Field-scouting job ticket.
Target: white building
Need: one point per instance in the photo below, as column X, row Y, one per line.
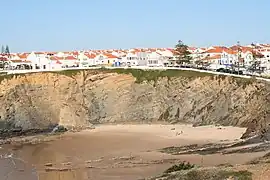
column 156, row 59
column 39, row 60
column 228, row 57
column 131, row 59
column 106, row 59
column 87, row 59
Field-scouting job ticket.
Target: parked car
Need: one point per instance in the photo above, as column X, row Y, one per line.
column 221, row 70
column 237, row 72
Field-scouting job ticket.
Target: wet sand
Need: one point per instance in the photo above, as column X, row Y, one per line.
column 117, row 152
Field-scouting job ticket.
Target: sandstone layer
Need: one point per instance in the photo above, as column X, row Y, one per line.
column 36, row 101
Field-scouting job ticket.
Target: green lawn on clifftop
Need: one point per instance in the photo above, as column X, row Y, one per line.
column 143, row 75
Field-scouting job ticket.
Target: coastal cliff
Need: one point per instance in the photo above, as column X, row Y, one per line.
column 82, row 98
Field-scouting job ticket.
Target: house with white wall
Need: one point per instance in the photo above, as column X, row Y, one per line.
column 112, row 59
column 87, row 59
column 214, row 60
column 131, row 59
column 55, row 62
column 20, row 64
column 106, row 59
column 39, row 60
column 247, row 57
column 228, row 57
column 69, row 61
column 155, row 59
column 142, row 58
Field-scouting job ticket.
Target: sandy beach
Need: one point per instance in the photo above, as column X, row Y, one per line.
column 120, row 152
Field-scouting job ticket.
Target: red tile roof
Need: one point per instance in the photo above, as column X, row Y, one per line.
column 90, row 56
column 22, row 56
column 58, row 62
column 70, row 58
column 230, row 51
column 218, row 56
column 54, row 58
column 3, row 58
column 110, row 56
column 216, row 50
column 40, row 52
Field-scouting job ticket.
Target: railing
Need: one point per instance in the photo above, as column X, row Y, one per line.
column 134, row 67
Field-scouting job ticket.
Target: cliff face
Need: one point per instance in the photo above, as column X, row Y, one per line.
column 89, row 97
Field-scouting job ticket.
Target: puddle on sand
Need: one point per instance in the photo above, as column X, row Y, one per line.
column 14, row 169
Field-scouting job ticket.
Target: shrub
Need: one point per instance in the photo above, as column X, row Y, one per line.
column 180, row 167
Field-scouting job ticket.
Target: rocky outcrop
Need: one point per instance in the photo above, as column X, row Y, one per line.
column 91, row 97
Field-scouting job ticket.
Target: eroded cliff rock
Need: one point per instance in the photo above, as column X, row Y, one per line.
column 90, row 97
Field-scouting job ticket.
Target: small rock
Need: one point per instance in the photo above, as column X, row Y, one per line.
column 49, row 164
column 59, row 128
column 66, row 164
column 49, row 169
column 89, row 167
column 97, row 160
column 179, row 133
column 173, row 129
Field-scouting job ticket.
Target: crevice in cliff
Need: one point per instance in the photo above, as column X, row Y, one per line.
column 32, row 107
column 165, row 116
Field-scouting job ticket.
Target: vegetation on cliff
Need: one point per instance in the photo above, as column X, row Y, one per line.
column 145, row 75
column 206, row 174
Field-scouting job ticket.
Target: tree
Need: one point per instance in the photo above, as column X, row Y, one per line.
column 256, row 62
column 7, row 50
column 3, row 50
column 182, row 54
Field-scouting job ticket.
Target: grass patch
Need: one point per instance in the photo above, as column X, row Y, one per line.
column 239, row 175
column 244, row 82
column 180, row 167
column 225, row 165
column 217, row 175
column 69, row 73
column 154, row 75
column 206, row 174
column 144, row 75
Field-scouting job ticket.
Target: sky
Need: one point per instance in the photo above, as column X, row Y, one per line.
column 60, row 25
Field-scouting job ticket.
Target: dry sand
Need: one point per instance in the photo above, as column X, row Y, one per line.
column 121, row 152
